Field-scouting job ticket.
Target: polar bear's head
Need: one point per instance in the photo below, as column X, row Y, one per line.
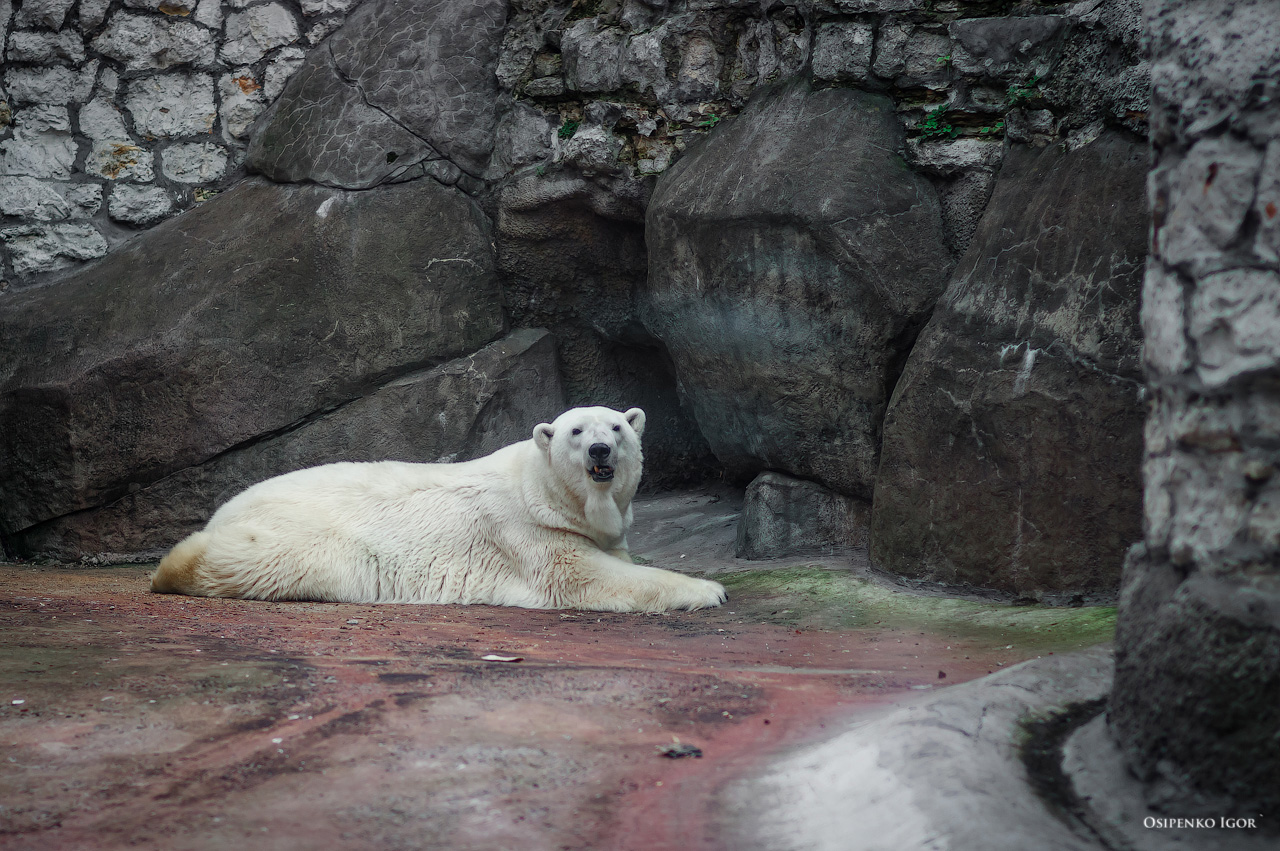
column 594, row 447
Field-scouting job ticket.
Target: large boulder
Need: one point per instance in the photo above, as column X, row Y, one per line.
column 459, row 410
column 793, row 258
column 1013, row 442
column 242, row 318
column 571, row 254
column 400, row 90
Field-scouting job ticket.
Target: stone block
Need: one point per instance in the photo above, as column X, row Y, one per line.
column 93, row 13
column 592, row 56
column 119, row 159
column 48, row 248
column 41, row 145
column 1013, row 48
column 193, row 162
column 252, row 33
column 1207, row 196
column 785, row 516
column 242, row 102
column 100, row 118
column 174, row 104
column 311, row 8
column 1233, row 321
column 138, row 205
column 55, row 85
column 209, row 13
column 143, row 42
column 842, row 52
column 29, row 198
column 50, row 14
column 173, row 8
column 287, row 60
column 955, row 155
column 43, row 47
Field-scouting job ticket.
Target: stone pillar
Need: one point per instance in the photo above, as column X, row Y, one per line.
column 1196, row 705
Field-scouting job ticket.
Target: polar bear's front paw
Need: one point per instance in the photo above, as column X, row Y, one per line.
column 704, row 594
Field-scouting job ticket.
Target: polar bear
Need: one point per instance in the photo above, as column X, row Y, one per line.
column 540, row 524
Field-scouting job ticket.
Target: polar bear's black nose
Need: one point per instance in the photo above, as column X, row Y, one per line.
column 599, row 451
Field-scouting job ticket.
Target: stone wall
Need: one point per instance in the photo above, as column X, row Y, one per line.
column 1197, row 693
column 117, row 114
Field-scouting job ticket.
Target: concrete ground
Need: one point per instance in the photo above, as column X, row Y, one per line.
column 143, row 721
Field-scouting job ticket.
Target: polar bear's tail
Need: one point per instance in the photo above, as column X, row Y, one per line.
column 178, row 572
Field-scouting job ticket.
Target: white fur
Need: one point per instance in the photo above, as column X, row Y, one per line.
column 525, row 526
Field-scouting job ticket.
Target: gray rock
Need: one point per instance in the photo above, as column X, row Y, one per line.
column 241, row 100
column 66, row 46
column 139, row 205
column 253, row 32
column 142, row 42
column 42, row 13
column 392, row 86
column 175, row 104
column 1013, row 48
column 1011, row 448
column 41, row 145
column 120, row 159
column 943, row 773
column 176, row 348
column 459, row 410
column 842, row 52
column 94, row 12
column 56, row 85
column 29, row 198
column 101, row 119
column 792, row 255
column 1216, row 638
column 592, row 56
column 45, row 248
column 194, row 162
column 281, row 68
column 913, row 56
column 784, row 516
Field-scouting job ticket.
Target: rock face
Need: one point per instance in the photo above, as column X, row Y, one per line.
column 459, row 410
column 398, row 86
column 782, row 515
column 228, row 324
column 1021, row 403
column 793, row 258
column 1196, row 704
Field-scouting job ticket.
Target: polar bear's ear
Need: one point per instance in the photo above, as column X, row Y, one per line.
column 542, row 434
column 635, row 417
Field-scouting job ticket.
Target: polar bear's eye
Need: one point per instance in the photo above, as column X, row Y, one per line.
column 577, row 431
column 617, row 428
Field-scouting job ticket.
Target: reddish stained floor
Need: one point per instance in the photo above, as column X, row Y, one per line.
column 180, row 723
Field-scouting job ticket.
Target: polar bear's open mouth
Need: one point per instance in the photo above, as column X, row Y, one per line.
column 601, row 473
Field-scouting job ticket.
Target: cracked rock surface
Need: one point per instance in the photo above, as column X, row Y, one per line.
column 398, row 85
column 227, row 324
column 1021, row 402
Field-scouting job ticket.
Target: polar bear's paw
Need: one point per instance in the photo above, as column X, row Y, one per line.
column 708, row 594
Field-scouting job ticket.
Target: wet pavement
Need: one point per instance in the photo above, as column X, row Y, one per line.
column 146, row 721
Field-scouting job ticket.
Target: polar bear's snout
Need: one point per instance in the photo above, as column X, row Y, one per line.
column 600, row 471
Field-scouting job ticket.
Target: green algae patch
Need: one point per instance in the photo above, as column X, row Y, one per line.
column 816, row 598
